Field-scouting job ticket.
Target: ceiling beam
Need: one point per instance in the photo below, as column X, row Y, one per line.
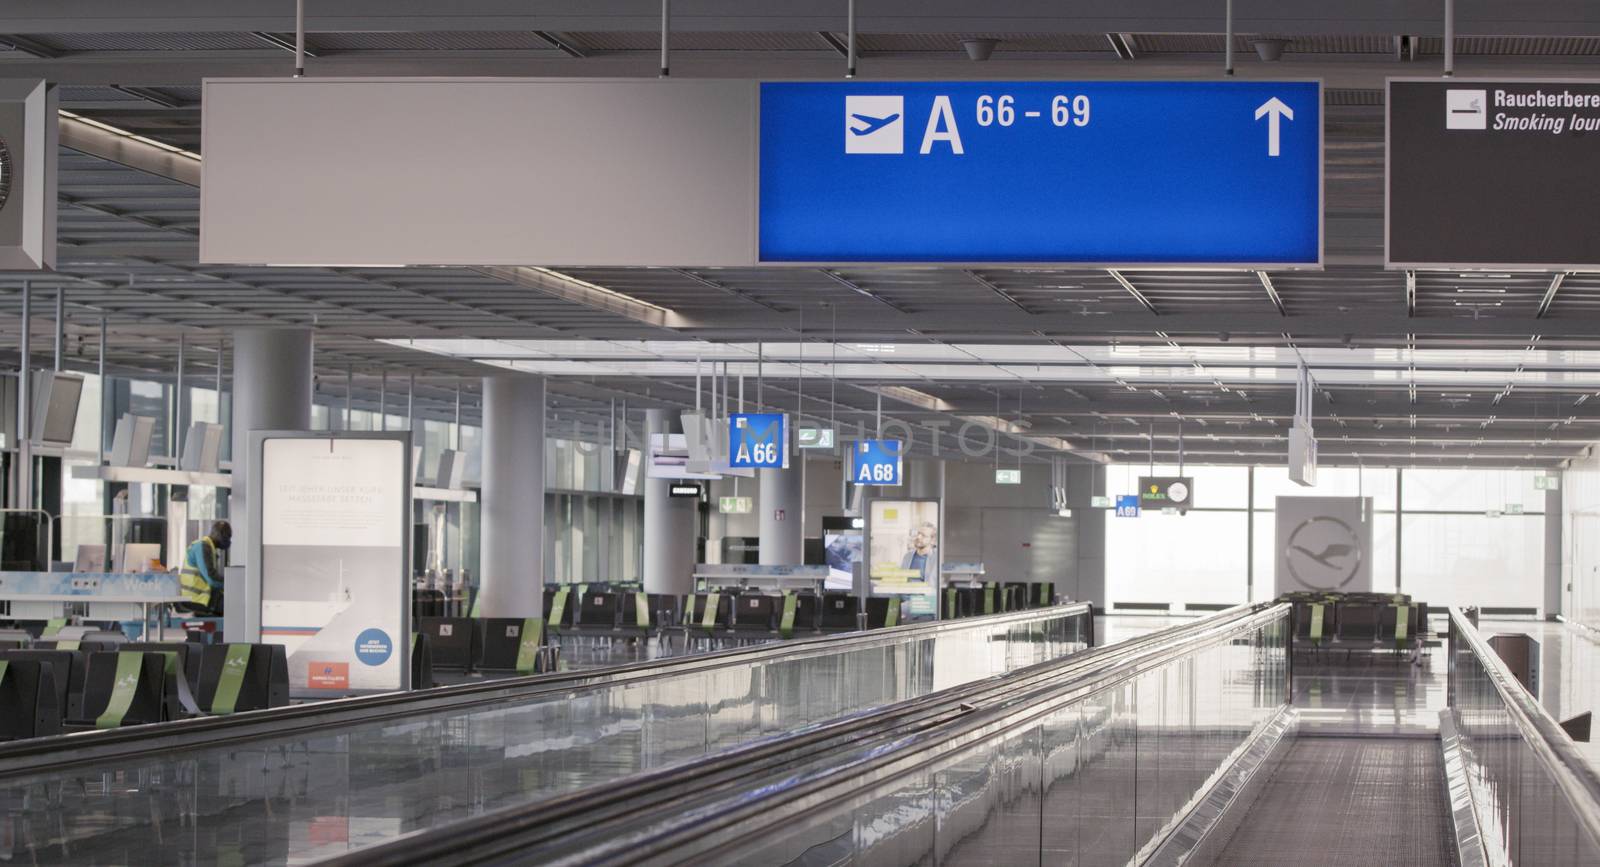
column 1133, row 290
column 30, row 47
column 1550, row 295
column 1272, row 292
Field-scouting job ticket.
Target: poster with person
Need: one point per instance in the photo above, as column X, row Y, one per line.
column 903, row 551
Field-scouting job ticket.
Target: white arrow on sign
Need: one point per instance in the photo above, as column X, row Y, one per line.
column 1273, row 109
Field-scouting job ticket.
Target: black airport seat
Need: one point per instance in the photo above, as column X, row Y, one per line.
column 241, row 677
column 512, row 643
column 1398, row 624
column 807, row 613
column 1017, row 597
column 755, row 612
column 427, row 603
column 1358, row 621
column 123, row 688
column 421, row 660
column 640, row 611
column 183, row 669
column 883, row 611
column 67, row 672
column 598, row 612
column 707, row 612
column 838, row 613
column 30, row 705
column 455, row 642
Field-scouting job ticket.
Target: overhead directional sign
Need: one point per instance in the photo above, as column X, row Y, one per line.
column 1042, row 171
column 758, row 439
column 875, row 462
column 1493, row 174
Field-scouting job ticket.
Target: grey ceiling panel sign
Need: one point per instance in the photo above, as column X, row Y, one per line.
column 1493, row 174
column 27, row 175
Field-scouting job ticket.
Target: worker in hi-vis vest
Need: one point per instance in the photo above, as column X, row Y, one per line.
column 200, row 578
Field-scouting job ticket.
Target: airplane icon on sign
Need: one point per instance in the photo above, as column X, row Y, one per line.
column 873, row 124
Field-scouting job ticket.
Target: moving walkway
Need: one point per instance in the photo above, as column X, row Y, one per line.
column 1183, row 749
column 299, row 782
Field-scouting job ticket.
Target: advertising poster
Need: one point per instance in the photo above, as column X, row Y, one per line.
column 903, row 550
column 334, row 588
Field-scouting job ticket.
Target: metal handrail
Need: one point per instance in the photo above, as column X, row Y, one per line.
column 950, row 720
column 29, row 756
column 1571, row 772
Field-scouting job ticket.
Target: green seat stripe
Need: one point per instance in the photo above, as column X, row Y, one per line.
column 1402, row 619
column 688, row 609
column 786, row 625
column 949, row 602
column 988, row 598
column 558, row 606
column 641, row 610
column 708, row 618
column 414, row 643
column 3, row 665
column 1316, row 622
column 123, row 686
column 67, row 645
column 477, row 603
column 231, row 680
column 528, row 645
column 893, row 617
column 53, row 626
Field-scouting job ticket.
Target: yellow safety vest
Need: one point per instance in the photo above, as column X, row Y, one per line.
column 190, row 582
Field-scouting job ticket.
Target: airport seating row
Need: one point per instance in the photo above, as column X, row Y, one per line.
column 479, row 644
column 994, row 598
column 54, row 686
column 1357, row 621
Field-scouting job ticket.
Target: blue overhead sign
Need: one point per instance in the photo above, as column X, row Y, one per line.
column 757, row 439
column 1101, row 172
column 875, row 462
column 1128, row 505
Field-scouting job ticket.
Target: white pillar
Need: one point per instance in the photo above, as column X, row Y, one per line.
column 669, row 525
column 511, row 543
column 271, row 391
column 782, row 531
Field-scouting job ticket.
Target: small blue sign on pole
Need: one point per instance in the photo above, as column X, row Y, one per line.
column 758, row 440
column 1128, row 506
column 875, row 462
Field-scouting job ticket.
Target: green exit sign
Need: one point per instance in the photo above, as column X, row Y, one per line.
column 1008, row 477
column 734, row 505
column 814, row 437
column 1547, row 483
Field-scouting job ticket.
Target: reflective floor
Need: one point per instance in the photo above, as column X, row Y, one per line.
column 1569, row 669
column 1378, row 694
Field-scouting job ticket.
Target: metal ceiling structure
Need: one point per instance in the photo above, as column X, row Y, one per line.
column 1454, row 368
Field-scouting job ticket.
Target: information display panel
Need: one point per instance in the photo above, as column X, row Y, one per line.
column 1102, row 172
column 333, row 558
column 1493, row 174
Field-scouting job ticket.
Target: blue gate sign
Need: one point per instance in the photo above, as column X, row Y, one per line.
column 1128, row 506
column 758, row 439
column 875, row 462
column 1091, row 172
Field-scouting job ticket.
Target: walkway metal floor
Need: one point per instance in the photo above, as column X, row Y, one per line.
column 1348, row 801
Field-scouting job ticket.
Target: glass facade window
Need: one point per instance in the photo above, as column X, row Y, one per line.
column 1445, row 536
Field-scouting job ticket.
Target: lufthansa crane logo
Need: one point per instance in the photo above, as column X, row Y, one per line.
column 1323, row 553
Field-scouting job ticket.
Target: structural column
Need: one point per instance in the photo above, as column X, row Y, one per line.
column 1084, row 482
column 669, row 530
column 271, row 391
column 782, row 497
column 1554, row 579
column 511, row 583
